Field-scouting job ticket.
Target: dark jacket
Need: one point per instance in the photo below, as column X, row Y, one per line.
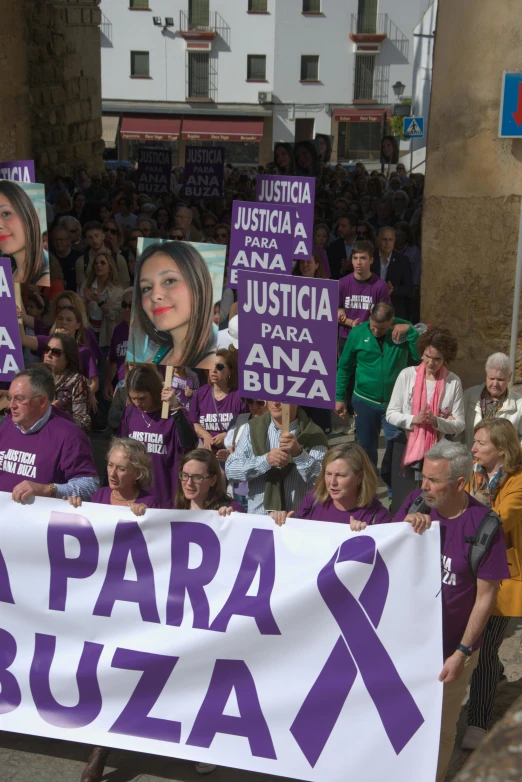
column 399, row 274
column 336, row 253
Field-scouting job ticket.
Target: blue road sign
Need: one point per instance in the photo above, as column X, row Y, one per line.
column 413, row 127
column 510, row 123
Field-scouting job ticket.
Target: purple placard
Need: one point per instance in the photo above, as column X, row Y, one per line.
column 204, row 172
column 18, row 170
column 11, row 357
column 292, row 191
column 265, row 238
column 288, row 338
column 154, row 167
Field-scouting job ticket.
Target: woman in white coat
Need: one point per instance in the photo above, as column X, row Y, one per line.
column 493, row 399
column 427, row 405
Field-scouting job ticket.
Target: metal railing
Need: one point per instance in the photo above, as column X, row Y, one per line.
column 106, row 27
column 369, row 24
column 201, row 76
column 198, row 22
column 364, row 77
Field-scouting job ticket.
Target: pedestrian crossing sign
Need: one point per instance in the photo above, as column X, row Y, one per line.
column 413, row 127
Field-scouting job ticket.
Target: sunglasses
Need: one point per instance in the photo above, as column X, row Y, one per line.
column 111, row 231
column 220, row 367
column 125, row 305
column 221, row 236
column 56, row 352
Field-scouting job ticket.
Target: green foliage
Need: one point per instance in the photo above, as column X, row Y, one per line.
column 396, row 123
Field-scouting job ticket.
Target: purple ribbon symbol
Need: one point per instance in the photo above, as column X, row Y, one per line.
column 358, row 648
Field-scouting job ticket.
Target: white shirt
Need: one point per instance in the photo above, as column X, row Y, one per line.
column 452, row 402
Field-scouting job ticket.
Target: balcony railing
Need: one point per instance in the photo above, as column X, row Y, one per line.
column 369, row 25
column 204, row 23
column 106, row 27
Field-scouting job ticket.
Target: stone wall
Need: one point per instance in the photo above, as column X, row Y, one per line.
column 473, row 182
column 51, row 98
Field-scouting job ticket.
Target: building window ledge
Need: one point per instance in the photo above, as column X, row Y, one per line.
column 310, row 81
column 199, row 100
column 140, row 77
column 365, row 100
column 259, row 13
column 133, row 8
column 312, row 13
column 257, row 81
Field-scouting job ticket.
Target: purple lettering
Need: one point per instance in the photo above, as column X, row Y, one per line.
column 191, row 580
column 129, row 540
column 231, row 675
column 62, row 567
column 6, row 596
column 259, row 553
column 10, row 695
column 134, row 719
column 90, row 700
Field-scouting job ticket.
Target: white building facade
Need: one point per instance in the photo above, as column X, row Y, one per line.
column 250, row 73
column 423, row 47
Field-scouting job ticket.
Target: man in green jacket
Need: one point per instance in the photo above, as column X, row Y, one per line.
column 375, row 359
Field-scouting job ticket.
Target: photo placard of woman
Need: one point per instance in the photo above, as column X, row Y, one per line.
column 21, row 234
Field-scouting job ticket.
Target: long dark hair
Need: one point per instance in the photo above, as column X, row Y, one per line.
column 217, row 496
column 143, row 379
column 34, row 249
column 200, row 340
column 70, row 349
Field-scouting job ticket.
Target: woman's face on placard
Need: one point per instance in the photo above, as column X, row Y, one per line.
column 303, row 157
column 282, row 157
column 12, row 235
column 165, row 296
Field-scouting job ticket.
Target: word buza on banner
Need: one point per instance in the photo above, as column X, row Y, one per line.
column 154, row 167
column 292, row 191
column 204, row 172
column 288, row 338
column 265, row 238
column 18, row 171
column 225, row 640
column 11, row 357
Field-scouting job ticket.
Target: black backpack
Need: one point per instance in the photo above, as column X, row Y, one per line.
column 480, row 541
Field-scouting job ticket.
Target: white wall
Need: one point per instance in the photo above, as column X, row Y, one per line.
column 423, row 69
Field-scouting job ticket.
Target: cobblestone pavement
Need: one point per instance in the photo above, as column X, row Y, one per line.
column 33, row 759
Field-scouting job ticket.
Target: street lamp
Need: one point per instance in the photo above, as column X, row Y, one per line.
column 398, row 89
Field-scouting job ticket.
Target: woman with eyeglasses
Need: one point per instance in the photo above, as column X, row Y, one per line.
column 166, row 439
column 201, row 485
column 61, row 356
column 103, row 294
column 115, row 363
column 214, row 405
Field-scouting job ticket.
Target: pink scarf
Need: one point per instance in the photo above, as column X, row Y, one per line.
column 423, row 436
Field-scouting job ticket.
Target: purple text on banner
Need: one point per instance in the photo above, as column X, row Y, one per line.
column 18, row 171
column 265, row 238
column 154, row 167
column 11, row 357
column 204, row 167
column 292, row 191
column 288, row 338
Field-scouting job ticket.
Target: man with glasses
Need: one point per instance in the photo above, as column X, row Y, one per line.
column 42, row 451
column 183, row 219
column 115, row 363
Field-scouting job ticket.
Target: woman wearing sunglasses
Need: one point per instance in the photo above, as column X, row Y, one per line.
column 214, row 405
column 103, row 294
column 61, row 355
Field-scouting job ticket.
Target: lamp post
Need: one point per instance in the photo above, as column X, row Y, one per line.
column 398, row 89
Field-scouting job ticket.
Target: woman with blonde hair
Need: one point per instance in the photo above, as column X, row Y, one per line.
column 103, row 293
column 497, row 483
column 344, row 491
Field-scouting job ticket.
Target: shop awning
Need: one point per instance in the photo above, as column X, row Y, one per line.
column 360, row 115
column 110, row 130
column 222, row 129
column 150, row 128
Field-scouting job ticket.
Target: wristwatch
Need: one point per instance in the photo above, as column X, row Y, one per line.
column 465, row 650
column 52, row 488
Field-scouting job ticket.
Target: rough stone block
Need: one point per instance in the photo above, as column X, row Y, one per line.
column 73, row 16
column 73, row 113
column 86, row 109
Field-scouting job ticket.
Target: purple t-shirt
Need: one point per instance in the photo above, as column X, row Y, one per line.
column 88, row 366
column 118, row 348
column 374, row 513
column 459, row 587
column 92, row 342
column 160, row 437
column 357, row 298
column 103, row 497
column 181, row 384
column 213, row 415
column 55, row 454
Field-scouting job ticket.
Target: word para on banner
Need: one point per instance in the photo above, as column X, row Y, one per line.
column 204, row 172
column 18, row 171
column 266, row 237
column 287, row 340
column 11, row 357
column 154, row 169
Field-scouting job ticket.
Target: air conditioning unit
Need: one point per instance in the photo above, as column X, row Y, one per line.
column 264, row 97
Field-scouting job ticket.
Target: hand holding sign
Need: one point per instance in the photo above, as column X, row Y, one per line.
column 276, row 457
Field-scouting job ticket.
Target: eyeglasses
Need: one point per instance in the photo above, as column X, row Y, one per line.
column 220, row 235
column 125, row 305
column 197, row 479
column 111, row 231
column 22, row 400
column 220, row 367
column 56, row 352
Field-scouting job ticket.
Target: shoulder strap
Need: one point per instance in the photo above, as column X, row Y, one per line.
column 242, row 419
column 482, row 539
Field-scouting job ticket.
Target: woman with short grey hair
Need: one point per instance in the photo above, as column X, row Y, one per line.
column 493, row 399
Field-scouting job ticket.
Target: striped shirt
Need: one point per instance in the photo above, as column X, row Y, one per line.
column 242, row 465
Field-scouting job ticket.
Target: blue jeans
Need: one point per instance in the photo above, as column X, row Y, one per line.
column 368, row 422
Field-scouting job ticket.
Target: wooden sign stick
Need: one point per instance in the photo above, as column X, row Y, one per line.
column 286, row 419
column 19, row 300
column 167, row 384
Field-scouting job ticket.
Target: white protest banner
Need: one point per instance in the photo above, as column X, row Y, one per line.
column 306, row 651
column 288, row 338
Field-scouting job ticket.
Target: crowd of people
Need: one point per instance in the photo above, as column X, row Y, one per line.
column 451, row 456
